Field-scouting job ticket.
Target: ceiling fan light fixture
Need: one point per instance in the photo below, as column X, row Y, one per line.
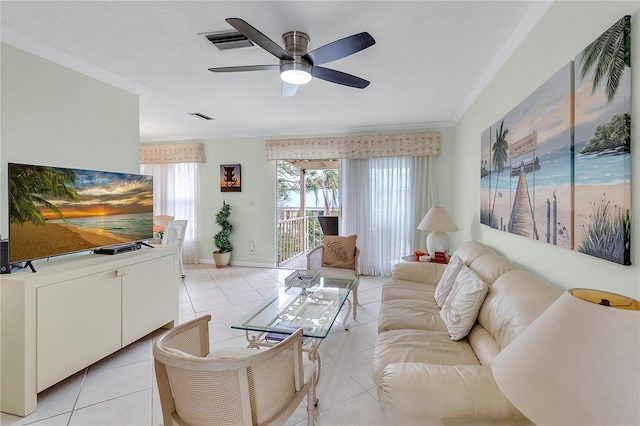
column 295, row 77
column 295, row 73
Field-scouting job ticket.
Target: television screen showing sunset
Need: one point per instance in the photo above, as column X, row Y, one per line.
column 55, row 210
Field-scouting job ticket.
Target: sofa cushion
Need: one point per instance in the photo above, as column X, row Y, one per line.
column 339, row 251
column 460, row 310
column 414, row 314
column 432, row 347
column 514, row 301
column 448, row 279
column 420, row 272
column 407, row 290
column 416, row 393
column 483, row 344
column 339, row 273
column 491, row 266
column 471, row 250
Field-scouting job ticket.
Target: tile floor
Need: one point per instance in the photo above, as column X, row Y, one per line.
column 121, row 390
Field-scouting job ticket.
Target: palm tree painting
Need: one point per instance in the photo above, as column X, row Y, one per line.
column 608, row 56
column 602, row 145
column 499, row 156
column 485, row 179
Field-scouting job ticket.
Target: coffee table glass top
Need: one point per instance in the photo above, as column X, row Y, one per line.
column 313, row 309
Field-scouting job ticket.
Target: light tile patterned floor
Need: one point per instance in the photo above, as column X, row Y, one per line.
column 120, row 389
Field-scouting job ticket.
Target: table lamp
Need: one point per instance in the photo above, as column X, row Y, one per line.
column 578, row 363
column 438, row 221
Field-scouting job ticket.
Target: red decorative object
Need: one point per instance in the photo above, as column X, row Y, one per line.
column 440, row 257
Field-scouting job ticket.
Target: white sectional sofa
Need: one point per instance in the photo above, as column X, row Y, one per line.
column 425, row 377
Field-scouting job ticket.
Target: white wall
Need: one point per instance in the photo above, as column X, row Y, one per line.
column 54, row 116
column 254, row 209
column 562, row 33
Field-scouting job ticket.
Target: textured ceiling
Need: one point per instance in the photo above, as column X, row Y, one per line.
column 430, row 60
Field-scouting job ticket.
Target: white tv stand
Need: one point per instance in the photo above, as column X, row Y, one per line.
column 75, row 311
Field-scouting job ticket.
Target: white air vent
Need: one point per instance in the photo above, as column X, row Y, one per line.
column 200, row 116
column 228, row 40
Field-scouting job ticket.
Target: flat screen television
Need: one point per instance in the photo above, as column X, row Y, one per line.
column 56, row 210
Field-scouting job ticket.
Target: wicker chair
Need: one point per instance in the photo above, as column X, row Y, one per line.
column 230, row 385
column 160, row 222
column 174, row 237
column 314, row 262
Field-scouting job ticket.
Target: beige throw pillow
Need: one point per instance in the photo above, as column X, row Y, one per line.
column 461, row 308
column 448, row 279
column 339, row 252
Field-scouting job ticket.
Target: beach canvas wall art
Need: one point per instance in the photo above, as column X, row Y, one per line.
column 55, row 211
column 569, row 148
column 602, row 145
column 230, row 178
column 530, row 178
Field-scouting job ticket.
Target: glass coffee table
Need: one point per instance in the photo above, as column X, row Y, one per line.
column 313, row 309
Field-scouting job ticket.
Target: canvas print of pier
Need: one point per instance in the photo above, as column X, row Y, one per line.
column 602, row 145
column 558, row 168
column 530, row 166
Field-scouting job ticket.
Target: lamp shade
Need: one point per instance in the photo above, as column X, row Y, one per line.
column 437, row 219
column 578, row 363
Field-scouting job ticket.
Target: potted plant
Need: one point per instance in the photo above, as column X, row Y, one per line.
column 222, row 256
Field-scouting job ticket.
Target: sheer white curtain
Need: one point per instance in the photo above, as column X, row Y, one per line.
column 175, row 192
column 383, row 200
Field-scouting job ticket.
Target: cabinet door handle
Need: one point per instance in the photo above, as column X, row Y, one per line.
column 121, row 271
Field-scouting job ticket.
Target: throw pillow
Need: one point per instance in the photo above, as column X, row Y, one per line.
column 461, row 308
column 339, row 252
column 448, row 279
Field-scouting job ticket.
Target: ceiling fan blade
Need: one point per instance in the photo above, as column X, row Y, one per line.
column 339, row 49
column 258, row 38
column 289, row 89
column 339, row 77
column 245, row 68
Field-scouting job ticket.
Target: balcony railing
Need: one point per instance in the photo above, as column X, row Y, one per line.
column 296, row 235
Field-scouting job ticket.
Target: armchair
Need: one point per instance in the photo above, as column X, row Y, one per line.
column 230, row 385
column 160, row 222
column 347, row 269
column 174, row 237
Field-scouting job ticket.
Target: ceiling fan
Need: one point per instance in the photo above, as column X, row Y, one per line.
column 297, row 66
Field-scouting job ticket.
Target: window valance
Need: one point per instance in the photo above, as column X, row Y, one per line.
column 355, row 147
column 172, row 153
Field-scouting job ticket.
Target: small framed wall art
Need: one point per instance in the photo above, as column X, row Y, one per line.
column 230, row 178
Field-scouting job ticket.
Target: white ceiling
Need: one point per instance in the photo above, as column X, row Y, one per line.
column 431, row 59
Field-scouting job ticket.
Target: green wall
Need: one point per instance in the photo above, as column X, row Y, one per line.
column 563, row 32
column 254, row 212
column 54, row 116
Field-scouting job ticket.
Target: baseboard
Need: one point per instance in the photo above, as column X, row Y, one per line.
column 236, row 263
